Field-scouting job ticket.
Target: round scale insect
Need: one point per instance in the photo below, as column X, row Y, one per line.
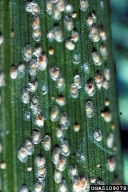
column 37, row 34
column 80, row 183
column 21, row 70
column 56, row 13
column 33, row 67
column 40, row 161
column 54, row 72
column 61, row 100
column 39, row 120
column 39, row 186
column 111, row 164
column 57, row 176
column 69, row 44
column 49, row 5
column 35, row 109
column 96, row 58
column 61, row 5
column 27, row 52
column 83, row 5
column 46, row 143
column 13, row 72
column 90, row 88
column 36, row 136
column 32, row 86
column 69, row 8
column 91, row 19
column 32, row 7
column 63, row 187
column 93, row 179
column 77, row 81
column 74, row 91
column 44, row 89
column 60, row 133
column 107, row 73
column 37, row 51
column 110, row 140
column 36, row 23
column 25, row 96
column 86, row 68
column 76, row 59
column 97, row 135
column 60, row 83
column 56, row 155
column 73, row 171
column 23, row 188
column 99, row 79
column 103, row 51
column 35, row 100
column 64, row 147
column 94, row 34
column 22, row 154
column 106, row 114
column 50, row 35
column 75, row 35
column 61, row 165
column 64, row 120
column 54, row 114
column 41, row 173
column 103, row 34
column 58, row 34
column 29, row 147
column 68, row 23
column 105, row 84
column 42, row 62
